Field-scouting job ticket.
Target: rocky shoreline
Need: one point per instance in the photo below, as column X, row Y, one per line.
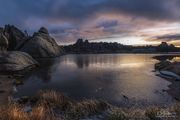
column 170, row 70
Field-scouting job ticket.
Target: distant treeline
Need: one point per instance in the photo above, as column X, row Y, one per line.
column 84, row 46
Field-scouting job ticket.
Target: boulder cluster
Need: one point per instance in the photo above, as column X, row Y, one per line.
column 18, row 49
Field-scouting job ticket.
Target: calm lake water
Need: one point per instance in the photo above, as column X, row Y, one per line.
column 108, row 77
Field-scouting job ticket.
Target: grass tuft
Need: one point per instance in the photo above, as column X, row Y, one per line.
column 13, row 112
column 42, row 113
column 118, row 114
column 54, row 99
column 86, row 108
column 16, row 112
column 152, row 113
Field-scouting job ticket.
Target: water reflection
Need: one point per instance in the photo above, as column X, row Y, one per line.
column 106, row 60
column 82, row 61
column 45, row 70
column 103, row 76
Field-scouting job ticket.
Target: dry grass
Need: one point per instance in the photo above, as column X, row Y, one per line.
column 175, row 109
column 127, row 114
column 86, row 108
column 13, row 112
column 41, row 113
column 72, row 110
column 54, row 99
column 16, row 112
column 151, row 113
column 118, row 114
column 136, row 114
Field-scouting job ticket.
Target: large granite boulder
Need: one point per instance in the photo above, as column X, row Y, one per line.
column 14, row 36
column 42, row 45
column 16, row 61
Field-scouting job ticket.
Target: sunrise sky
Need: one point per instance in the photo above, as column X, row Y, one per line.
column 132, row 22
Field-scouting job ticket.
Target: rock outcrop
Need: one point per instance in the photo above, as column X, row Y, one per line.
column 41, row 45
column 16, row 61
column 162, row 65
column 173, row 67
column 168, row 66
column 3, row 43
column 14, row 36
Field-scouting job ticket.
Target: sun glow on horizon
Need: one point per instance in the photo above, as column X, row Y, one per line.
column 131, row 40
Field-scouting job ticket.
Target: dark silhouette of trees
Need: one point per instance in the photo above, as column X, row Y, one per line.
column 84, row 46
column 164, row 47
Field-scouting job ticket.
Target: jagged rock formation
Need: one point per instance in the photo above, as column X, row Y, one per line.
column 3, row 43
column 41, row 45
column 43, row 30
column 16, row 61
column 14, row 36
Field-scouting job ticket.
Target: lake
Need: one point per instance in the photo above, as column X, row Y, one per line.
column 120, row 79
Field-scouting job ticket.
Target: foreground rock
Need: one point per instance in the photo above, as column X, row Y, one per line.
column 173, row 67
column 41, row 45
column 162, row 65
column 15, row 61
column 171, row 72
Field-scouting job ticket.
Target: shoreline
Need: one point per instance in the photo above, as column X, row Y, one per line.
column 174, row 89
